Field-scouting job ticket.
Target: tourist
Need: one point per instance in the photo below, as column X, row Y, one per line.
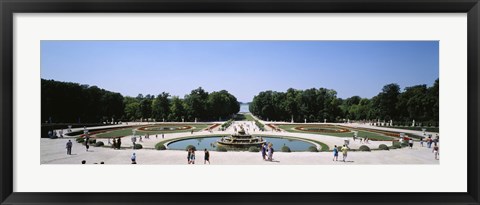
column 84, row 162
column 189, row 155
column 435, row 151
column 335, row 153
column 61, row 133
column 421, row 141
column 141, row 138
column 69, row 147
column 264, row 151
column 134, row 158
column 119, row 143
column 192, row 157
column 429, row 142
column 207, row 157
column 156, row 136
column 134, row 139
column 86, row 145
column 344, row 152
column 410, row 143
column 163, row 136
column 361, row 140
column 270, row 152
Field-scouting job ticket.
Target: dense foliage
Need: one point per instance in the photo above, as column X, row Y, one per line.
column 419, row 103
column 72, row 102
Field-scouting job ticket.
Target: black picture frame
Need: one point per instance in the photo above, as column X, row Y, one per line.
column 10, row 7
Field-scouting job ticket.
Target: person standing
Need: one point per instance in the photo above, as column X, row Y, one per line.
column 344, row 152
column 192, row 156
column 421, row 141
column 264, row 151
column 134, row 158
column 410, row 143
column 435, row 151
column 134, row 139
column 207, row 157
column 335, row 153
column 69, row 147
column 189, row 155
column 270, row 152
column 163, row 136
column 114, row 145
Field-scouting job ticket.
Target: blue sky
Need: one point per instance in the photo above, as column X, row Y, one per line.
column 244, row 68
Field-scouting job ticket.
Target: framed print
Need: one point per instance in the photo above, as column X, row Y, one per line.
column 254, row 102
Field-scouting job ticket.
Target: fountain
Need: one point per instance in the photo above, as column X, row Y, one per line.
column 241, row 140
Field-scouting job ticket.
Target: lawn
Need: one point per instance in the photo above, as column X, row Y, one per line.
column 244, row 117
column 428, row 129
column 128, row 131
column 362, row 134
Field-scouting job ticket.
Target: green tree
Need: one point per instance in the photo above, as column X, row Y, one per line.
column 161, row 106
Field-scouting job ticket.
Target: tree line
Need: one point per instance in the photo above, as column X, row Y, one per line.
column 419, row 103
column 72, row 102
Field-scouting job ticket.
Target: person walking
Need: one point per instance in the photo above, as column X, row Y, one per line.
column 86, row 145
column 119, row 143
column 421, row 141
column 134, row 158
column 335, row 153
column 410, row 143
column 207, row 157
column 69, row 147
column 344, row 152
column 163, row 136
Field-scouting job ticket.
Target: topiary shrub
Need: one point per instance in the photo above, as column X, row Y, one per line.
column 138, row 146
column 383, row 147
column 404, row 144
column 92, row 141
column 286, row 149
column 221, row 149
column 254, row 149
column 396, row 145
column 99, row 144
column 160, row 147
column 80, row 140
column 191, row 147
column 364, row 148
column 312, row 149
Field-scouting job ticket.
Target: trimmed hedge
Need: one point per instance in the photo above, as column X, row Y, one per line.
column 312, row 149
column 397, row 145
column 254, row 149
column 92, row 141
column 364, row 148
column 286, row 149
column 138, row 146
column 383, row 147
column 99, row 144
column 160, row 147
column 221, row 149
column 80, row 140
